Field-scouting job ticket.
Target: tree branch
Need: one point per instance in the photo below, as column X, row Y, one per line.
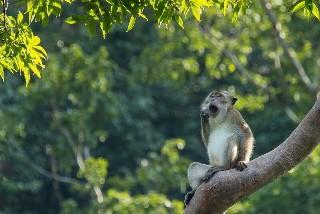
column 312, row 87
column 228, row 187
column 54, row 176
column 4, row 11
column 80, row 159
column 233, row 57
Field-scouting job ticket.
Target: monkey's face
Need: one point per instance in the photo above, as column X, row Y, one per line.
column 216, row 102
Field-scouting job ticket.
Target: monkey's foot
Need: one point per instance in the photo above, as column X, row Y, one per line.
column 241, row 165
column 188, row 197
column 210, row 173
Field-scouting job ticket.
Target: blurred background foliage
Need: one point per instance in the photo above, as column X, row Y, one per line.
column 113, row 124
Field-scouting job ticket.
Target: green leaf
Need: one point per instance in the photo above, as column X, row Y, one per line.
column 26, row 75
column 114, row 9
column 70, row 21
column 315, row 11
column 131, row 23
column 159, row 11
column 105, row 26
column 143, row 16
column 165, row 16
column 41, row 49
column 308, row 4
column 184, row 8
column 36, row 56
column 225, row 6
column 307, row 12
column 56, row 11
column 19, row 18
column 56, row 8
column 179, row 21
column 35, row 70
column 56, row 4
column 91, row 26
column 103, row 30
column 196, row 11
column 29, row 6
column 297, row 6
column 35, row 40
column 110, row 2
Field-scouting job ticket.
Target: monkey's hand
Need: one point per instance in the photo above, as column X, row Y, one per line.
column 210, row 173
column 188, row 197
column 204, row 114
column 241, row 165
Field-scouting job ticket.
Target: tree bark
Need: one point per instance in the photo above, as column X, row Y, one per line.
column 228, row 187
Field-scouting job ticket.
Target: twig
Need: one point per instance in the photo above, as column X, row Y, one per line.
column 4, row 10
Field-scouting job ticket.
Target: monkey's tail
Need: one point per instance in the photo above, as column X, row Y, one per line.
column 196, row 172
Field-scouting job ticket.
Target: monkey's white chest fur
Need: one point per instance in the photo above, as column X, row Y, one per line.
column 218, row 144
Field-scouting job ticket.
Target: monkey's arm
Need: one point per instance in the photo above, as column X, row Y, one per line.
column 205, row 129
column 246, row 145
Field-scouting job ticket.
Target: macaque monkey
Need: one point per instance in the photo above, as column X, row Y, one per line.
column 226, row 136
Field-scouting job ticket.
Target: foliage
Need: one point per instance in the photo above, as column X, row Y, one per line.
column 95, row 171
column 121, row 115
column 309, row 8
column 72, row 118
column 165, row 173
column 103, row 14
column 120, row 202
column 20, row 49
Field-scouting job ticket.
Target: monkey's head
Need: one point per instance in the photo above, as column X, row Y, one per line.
column 217, row 102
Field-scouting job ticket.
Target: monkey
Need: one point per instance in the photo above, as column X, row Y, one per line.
column 227, row 137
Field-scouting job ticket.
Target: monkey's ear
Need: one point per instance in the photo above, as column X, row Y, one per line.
column 234, row 100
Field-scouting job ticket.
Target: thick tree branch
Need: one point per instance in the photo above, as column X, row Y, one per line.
column 228, row 187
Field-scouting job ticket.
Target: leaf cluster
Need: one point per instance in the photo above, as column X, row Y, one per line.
column 309, row 8
column 20, row 49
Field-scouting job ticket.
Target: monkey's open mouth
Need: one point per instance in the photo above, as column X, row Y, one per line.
column 213, row 109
